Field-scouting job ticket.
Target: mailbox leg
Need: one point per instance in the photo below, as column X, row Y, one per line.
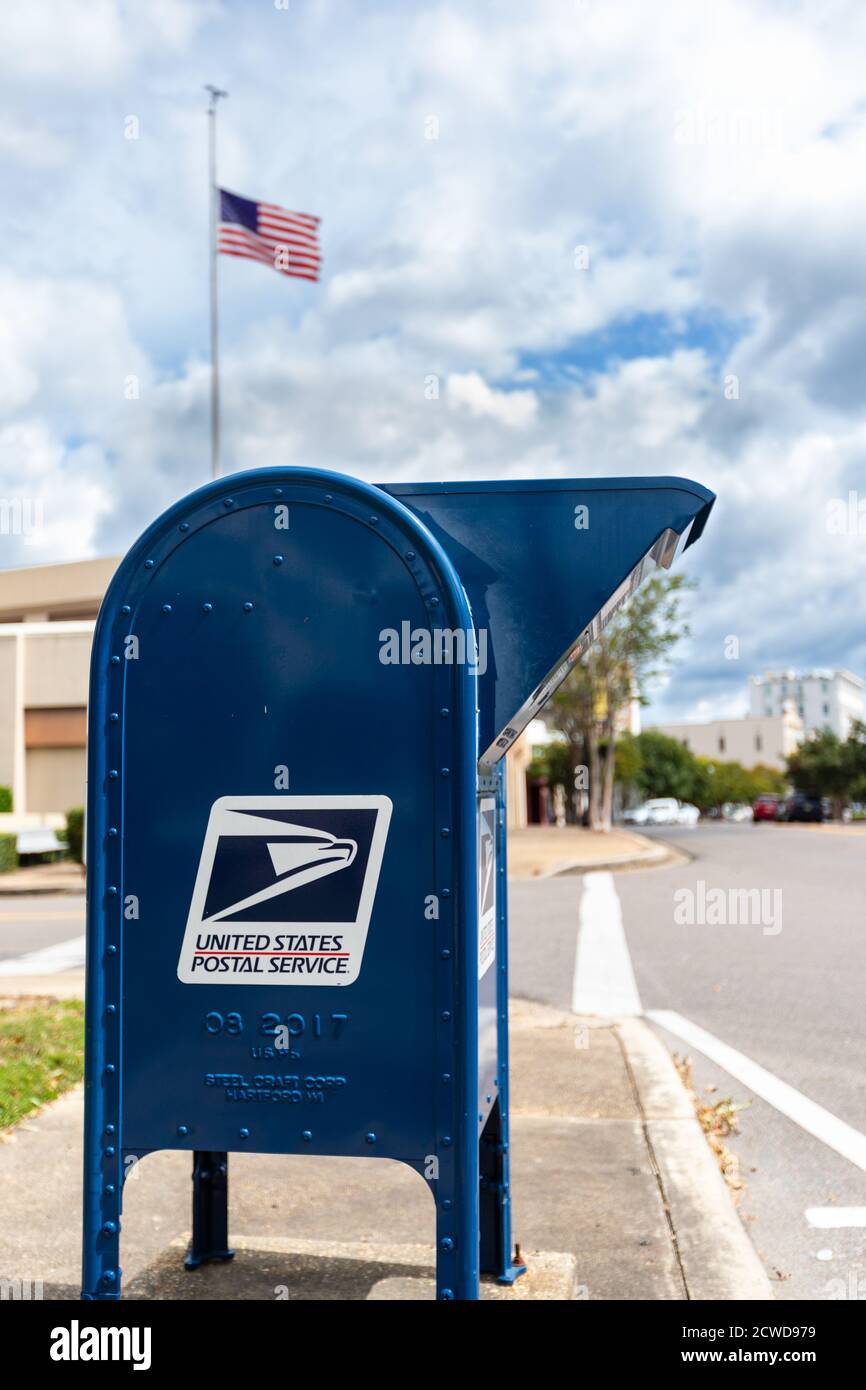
column 494, row 1156
column 210, row 1209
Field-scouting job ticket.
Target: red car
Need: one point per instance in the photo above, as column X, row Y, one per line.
column 766, row 807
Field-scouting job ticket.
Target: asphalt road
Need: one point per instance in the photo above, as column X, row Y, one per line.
column 783, row 984
column 31, row 923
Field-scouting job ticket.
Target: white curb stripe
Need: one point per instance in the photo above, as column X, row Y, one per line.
column 813, row 1118
column 66, row 955
column 604, row 982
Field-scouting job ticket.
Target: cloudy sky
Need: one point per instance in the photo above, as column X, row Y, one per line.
column 625, row 239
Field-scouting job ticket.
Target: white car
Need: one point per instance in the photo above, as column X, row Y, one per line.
column 689, row 814
column 663, row 810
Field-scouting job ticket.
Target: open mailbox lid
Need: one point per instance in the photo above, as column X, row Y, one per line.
column 545, row 565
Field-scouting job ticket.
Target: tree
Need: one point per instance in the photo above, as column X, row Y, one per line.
column 632, row 650
column 825, row 766
column 667, row 767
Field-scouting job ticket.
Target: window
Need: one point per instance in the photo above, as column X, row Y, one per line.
column 759, row 743
column 825, row 709
column 721, row 745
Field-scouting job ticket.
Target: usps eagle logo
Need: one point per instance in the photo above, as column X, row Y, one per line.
column 284, row 890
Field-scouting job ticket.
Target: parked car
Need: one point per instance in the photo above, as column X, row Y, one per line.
column 662, row 810
column 736, row 811
column 766, row 807
column 802, row 807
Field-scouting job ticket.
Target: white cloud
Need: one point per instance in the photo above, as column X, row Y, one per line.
column 710, row 163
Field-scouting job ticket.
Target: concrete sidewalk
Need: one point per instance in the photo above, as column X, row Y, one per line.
column 615, row 1196
column 60, row 877
column 540, row 851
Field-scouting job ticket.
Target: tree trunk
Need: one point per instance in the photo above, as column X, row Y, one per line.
column 606, row 817
column 594, row 782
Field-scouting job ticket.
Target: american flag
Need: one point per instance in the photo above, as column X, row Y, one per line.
column 286, row 241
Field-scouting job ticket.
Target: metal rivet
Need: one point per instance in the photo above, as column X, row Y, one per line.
column 109, row 1277
column 112, row 831
column 182, row 1130
column 111, row 950
column 328, row 497
column 446, row 1141
column 111, row 1008
column 148, row 564
column 110, row 1228
column 184, row 526
column 488, row 1099
column 110, row 1069
column 445, row 954
column 109, row 1151
column 446, row 1296
column 166, row 608
column 244, row 1132
column 446, row 1243
column 113, row 718
column 445, row 832
column 126, row 608
column 446, row 1076
column 371, row 1138
column 446, row 1015
column 445, row 713
column 278, row 492
column 207, row 608
column 115, row 661
column 444, row 772
column 110, row 1189
column 113, row 774
column 109, row 1129
column 307, row 1135
column 434, row 602
column 278, row 559
column 410, row 554
column 229, row 502
column 111, row 891
column 447, row 1204
column 446, row 893
column 374, row 521
column 248, row 608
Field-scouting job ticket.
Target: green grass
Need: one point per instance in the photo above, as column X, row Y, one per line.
column 41, row 1054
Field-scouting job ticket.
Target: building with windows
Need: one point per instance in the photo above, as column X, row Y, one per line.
column 47, row 617
column 831, row 699
column 764, row 739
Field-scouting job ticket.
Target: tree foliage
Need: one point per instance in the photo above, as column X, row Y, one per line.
column 634, row 649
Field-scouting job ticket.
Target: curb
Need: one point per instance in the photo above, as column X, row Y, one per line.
column 717, row 1258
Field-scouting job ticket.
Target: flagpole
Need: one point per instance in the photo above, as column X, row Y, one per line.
column 215, row 95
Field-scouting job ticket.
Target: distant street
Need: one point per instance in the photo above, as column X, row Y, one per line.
column 788, row 1000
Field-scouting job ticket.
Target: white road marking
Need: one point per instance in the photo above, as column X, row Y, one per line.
column 66, row 955
column 813, row 1118
column 604, row 982
column 835, row 1218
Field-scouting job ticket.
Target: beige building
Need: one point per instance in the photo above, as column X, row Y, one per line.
column 766, row 739
column 47, row 616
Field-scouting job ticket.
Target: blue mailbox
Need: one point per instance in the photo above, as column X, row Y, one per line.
column 302, row 691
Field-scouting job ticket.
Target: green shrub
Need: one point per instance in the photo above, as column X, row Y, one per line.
column 5, row 798
column 8, row 853
column 75, row 834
